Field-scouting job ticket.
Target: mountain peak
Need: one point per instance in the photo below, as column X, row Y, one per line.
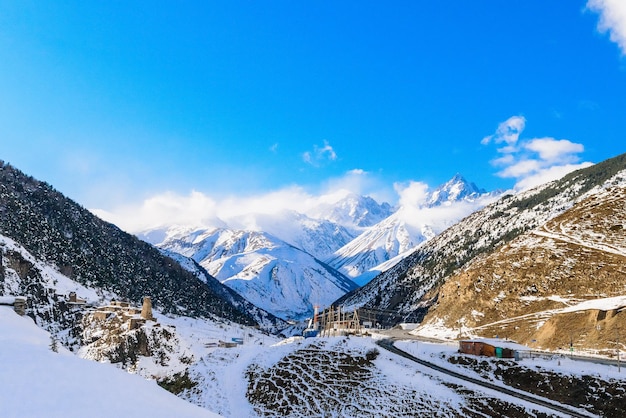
column 355, row 211
column 455, row 189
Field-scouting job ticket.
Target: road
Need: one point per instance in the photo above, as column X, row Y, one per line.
column 387, row 344
column 401, row 334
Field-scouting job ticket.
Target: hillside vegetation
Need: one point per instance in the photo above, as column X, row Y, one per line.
column 98, row 254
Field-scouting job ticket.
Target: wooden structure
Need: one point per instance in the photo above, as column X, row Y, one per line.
column 73, row 299
column 335, row 322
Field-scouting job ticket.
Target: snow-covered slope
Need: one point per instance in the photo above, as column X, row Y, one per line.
column 268, row 272
column 371, row 252
column 292, row 377
column 266, row 245
column 37, row 382
column 317, row 236
column 377, row 245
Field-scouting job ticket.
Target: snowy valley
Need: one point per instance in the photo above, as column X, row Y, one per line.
column 294, row 261
column 237, row 357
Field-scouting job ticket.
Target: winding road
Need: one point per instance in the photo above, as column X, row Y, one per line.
column 388, row 345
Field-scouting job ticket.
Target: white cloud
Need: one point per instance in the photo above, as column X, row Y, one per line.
column 360, row 182
column 319, row 155
column 413, row 194
column 201, row 210
column 612, row 19
column 534, row 161
column 162, row 210
column 553, row 150
column 507, row 159
column 413, row 211
column 520, row 169
column 507, row 132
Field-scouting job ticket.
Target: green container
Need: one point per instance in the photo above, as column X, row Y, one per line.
column 499, row 352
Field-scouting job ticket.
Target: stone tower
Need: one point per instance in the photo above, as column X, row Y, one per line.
column 146, row 309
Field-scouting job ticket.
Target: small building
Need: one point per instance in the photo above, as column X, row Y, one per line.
column 134, row 317
column 134, row 323
column 119, row 304
column 73, row 299
column 490, row 348
column 17, row 302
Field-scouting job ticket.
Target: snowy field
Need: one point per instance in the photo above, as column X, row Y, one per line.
column 37, row 382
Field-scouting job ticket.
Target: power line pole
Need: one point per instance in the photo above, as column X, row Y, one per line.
column 619, row 369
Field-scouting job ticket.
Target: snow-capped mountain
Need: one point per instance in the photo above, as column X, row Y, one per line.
column 371, row 252
column 265, row 270
column 319, row 237
column 353, row 234
column 377, row 245
column 354, row 212
column 324, row 229
column 454, row 190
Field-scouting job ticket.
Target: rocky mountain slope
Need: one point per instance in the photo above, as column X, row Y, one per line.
column 98, row 255
column 268, row 272
column 407, row 291
column 563, row 282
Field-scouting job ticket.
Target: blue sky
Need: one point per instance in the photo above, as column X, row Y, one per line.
column 121, row 103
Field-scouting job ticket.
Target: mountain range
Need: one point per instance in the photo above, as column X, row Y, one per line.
column 297, row 261
column 267, row 271
column 258, row 278
column 378, row 248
